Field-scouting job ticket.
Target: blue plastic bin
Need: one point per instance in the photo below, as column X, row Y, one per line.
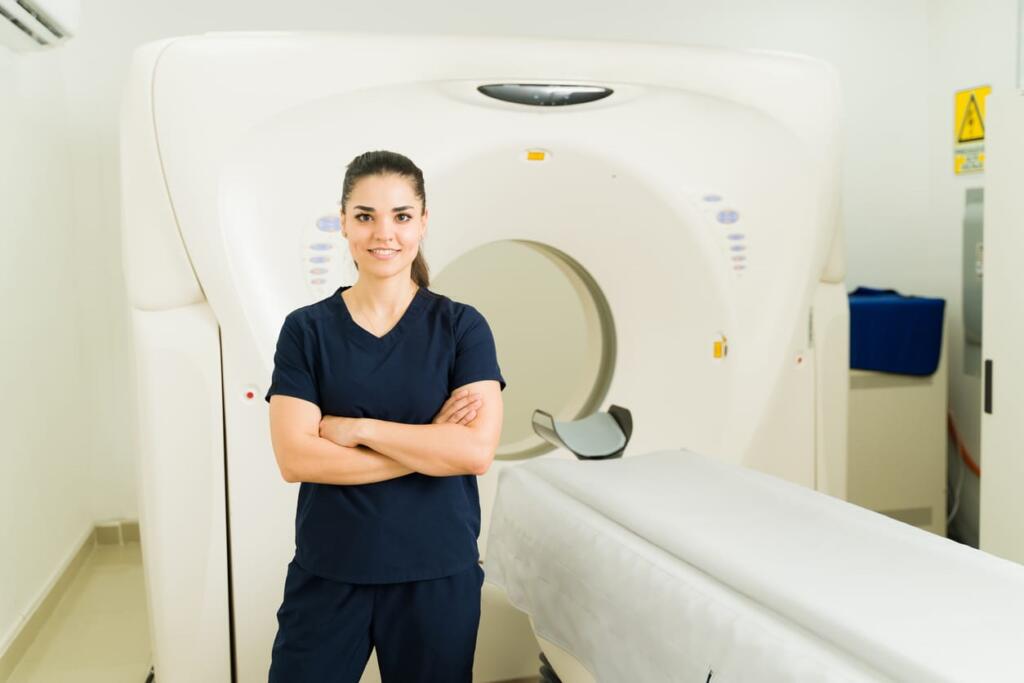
column 890, row 332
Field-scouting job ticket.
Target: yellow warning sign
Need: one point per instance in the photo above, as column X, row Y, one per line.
column 969, row 130
column 970, row 114
column 969, row 160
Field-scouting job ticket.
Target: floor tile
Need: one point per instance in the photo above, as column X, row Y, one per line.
column 99, row 631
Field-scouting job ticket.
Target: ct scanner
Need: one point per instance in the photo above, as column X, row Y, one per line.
column 692, row 213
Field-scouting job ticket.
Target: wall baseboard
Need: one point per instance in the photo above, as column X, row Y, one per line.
column 116, row 533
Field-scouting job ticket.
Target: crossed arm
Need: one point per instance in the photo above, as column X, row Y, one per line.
column 330, row 449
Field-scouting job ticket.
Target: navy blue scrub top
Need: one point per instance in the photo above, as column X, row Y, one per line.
column 412, row 527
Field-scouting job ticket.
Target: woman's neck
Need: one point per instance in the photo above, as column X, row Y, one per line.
column 381, row 297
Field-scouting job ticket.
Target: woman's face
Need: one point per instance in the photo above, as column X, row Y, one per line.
column 383, row 225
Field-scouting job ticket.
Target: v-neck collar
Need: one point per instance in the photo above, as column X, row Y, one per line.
column 412, row 311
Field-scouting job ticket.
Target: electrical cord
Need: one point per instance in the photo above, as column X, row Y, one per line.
column 965, row 454
column 967, row 462
column 956, row 493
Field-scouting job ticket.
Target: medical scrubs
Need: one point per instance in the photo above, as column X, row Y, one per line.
column 393, row 564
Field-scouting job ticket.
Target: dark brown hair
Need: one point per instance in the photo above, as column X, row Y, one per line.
column 382, row 162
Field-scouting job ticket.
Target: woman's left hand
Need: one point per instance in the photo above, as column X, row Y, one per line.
column 343, row 431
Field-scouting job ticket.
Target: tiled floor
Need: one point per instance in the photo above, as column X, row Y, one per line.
column 98, row 632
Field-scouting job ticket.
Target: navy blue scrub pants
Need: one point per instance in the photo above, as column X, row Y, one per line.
column 424, row 631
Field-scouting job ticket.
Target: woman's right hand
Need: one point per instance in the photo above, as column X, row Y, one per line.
column 460, row 408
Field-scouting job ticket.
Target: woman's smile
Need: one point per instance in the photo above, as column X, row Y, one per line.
column 384, row 254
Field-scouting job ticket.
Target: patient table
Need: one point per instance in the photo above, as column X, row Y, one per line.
column 672, row 566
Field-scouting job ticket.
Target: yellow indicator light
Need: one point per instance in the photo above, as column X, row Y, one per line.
column 535, row 155
column 720, row 349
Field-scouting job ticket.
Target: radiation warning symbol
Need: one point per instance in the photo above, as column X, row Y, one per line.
column 969, row 130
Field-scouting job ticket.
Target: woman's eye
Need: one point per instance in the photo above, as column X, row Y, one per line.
column 405, row 215
column 360, row 216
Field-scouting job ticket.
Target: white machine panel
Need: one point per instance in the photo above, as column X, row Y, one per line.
column 1002, row 505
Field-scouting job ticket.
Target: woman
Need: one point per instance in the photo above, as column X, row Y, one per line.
column 386, row 405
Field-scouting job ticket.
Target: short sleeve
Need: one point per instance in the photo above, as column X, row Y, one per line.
column 293, row 364
column 476, row 358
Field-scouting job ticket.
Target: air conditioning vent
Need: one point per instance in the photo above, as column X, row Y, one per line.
column 36, row 24
column 42, row 18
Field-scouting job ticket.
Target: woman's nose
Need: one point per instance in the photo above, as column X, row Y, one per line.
column 383, row 228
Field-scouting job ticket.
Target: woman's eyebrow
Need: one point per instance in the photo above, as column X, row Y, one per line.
column 370, row 209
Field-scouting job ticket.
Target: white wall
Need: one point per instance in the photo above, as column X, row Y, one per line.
column 970, row 44
column 45, row 482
